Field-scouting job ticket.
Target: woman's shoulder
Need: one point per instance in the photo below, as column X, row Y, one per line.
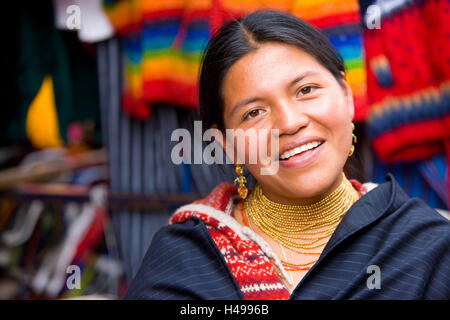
column 389, row 207
column 182, row 260
column 181, row 263
column 410, row 216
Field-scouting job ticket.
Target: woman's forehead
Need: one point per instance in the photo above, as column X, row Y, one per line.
column 273, row 59
column 269, row 66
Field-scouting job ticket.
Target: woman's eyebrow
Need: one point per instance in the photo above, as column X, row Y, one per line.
column 302, row 76
column 243, row 103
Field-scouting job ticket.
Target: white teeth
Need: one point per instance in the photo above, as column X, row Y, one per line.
column 297, row 150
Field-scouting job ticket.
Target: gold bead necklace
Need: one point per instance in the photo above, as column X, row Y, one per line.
column 301, row 228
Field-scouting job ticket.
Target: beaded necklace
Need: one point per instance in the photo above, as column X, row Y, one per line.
column 300, row 228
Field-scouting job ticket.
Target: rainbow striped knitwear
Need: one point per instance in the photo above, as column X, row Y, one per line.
column 163, row 42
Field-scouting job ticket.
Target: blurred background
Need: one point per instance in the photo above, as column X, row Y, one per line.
column 92, row 90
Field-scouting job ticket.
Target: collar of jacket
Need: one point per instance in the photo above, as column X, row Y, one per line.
column 380, row 201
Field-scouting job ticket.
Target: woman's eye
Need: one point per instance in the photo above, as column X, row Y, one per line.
column 252, row 114
column 306, row 90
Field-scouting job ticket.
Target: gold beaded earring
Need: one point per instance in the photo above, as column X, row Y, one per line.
column 352, row 148
column 242, row 189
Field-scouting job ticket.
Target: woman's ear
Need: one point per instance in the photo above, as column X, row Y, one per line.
column 348, row 95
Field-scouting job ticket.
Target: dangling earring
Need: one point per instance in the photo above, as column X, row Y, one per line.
column 352, row 148
column 242, row 189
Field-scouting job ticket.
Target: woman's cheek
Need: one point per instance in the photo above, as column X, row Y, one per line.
column 333, row 112
column 333, row 116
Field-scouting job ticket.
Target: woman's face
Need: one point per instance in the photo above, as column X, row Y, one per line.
column 279, row 86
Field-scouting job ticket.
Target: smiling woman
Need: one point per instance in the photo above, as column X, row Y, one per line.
column 305, row 231
column 296, row 95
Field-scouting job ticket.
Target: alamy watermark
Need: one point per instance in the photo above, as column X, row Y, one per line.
column 239, row 140
column 73, row 21
column 380, row 8
column 374, row 280
column 74, row 279
column 372, row 18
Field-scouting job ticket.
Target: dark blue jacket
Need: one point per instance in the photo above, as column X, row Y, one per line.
column 388, row 246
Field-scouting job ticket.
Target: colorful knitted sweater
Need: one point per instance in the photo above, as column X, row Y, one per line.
column 256, row 268
column 163, row 42
column 408, row 77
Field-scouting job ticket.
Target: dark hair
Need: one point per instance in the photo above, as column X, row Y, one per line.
column 239, row 37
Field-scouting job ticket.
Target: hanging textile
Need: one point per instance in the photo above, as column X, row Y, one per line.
column 424, row 179
column 42, row 52
column 163, row 42
column 41, row 123
column 408, row 77
column 408, row 74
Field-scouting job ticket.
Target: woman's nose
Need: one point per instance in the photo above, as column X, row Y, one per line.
column 289, row 118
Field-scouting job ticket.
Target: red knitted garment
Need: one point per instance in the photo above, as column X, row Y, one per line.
column 255, row 273
column 408, row 78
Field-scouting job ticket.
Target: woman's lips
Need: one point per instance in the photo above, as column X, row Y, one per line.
column 304, row 158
